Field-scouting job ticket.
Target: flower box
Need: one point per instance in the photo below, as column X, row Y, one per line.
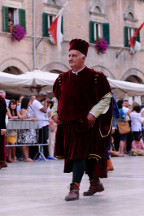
column 18, row 32
column 101, row 45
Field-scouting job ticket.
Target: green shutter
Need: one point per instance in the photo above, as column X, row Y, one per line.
column 22, row 18
column 45, row 25
column 106, row 32
column 126, row 42
column 62, row 24
column 138, row 36
column 91, row 31
column 5, row 19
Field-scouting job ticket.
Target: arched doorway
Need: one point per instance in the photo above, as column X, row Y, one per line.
column 13, row 70
column 135, row 79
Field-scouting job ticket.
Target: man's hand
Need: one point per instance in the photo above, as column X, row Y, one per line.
column 56, row 119
column 3, row 132
column 91, row 119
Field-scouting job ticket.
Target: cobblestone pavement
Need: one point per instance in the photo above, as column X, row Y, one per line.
column 39, row 188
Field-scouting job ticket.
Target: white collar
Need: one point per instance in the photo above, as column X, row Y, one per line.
column 76, row 73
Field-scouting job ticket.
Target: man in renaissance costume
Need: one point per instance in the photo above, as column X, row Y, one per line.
column 83, row 112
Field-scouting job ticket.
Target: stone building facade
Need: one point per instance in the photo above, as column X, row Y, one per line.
column 116, row 20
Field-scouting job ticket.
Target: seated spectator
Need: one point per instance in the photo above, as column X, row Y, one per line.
column 137, row 147
column 112, row 150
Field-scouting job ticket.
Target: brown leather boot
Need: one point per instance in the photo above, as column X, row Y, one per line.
column 109, row 165
column 95, row 186
column 74, row 192
column 3, row 164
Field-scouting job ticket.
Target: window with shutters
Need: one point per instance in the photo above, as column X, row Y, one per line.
column 99, row 30
column 13, row 16
column 47, row 21
column 50, row 19
column 128, row 33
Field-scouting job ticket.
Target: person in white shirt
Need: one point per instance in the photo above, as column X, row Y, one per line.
column 136, row 122
column 40, row 112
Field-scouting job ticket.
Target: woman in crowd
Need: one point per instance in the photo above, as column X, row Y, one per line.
column 26, row 136
column 136, row 127
column 123, row 138
column 12, row 133
column 3, row 111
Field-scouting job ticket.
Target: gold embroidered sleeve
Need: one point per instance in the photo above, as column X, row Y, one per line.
column 54, row 108
column 102, row 106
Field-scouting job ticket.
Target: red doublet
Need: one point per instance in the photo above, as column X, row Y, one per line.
column 76, row 95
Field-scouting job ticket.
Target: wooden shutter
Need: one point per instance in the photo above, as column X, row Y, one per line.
column 5, row 19
column 62, row 24
column 106, row 32
column 138, row 36
column 126, row 43
column 22, row 18
column 45, row 25
column 91, row 31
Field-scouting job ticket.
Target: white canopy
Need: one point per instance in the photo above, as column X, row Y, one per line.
column 123, row 88
column 28, row 83
column 32, row 82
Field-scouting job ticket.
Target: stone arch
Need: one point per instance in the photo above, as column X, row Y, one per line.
column 133, row 75
column 130, row 15
column 13, row 70
column 55, row 67
column 97, row 10
column 107, row 72
column 96, row 7
column 14, row 63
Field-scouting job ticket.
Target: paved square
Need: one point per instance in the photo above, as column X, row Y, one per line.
column 39, row 188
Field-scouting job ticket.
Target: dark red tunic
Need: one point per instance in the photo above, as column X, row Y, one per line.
column 76, row 95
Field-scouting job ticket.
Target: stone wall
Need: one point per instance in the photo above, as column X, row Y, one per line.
column 116, row 63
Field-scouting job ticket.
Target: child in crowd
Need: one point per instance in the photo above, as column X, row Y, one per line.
column 12, row 133
column 137, row 147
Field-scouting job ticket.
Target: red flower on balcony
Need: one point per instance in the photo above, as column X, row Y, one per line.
column 18, row 32
column 101, row 45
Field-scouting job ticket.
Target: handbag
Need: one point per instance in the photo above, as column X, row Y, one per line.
column 123, row 127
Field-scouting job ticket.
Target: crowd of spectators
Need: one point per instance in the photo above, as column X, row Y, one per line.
column 38, row 144
column 27, row 143
column 130, row 143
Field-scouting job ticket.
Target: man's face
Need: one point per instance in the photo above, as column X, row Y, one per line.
column 126, row 104
column 76, row 61
column 42, row 98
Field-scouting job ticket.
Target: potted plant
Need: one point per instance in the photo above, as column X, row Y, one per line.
column 18, row 32
column 101, row 45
